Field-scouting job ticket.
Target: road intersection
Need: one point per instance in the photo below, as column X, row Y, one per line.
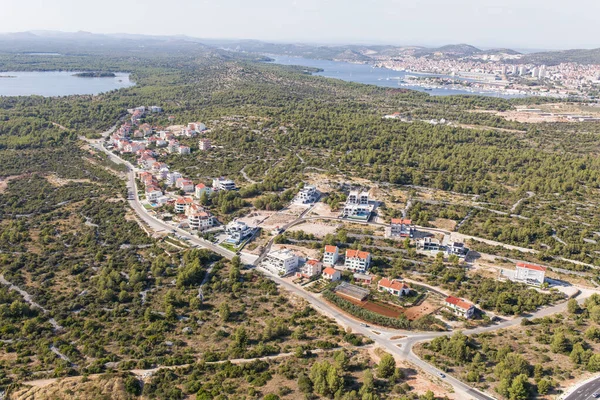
column 397, row 342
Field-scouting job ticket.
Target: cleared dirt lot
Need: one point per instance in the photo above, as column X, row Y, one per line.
column 419, row 311
column 268, row 220
column 300, row 251
column 315, row 228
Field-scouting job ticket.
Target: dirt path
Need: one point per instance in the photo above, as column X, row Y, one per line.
column 29, row 299
column 514, row 207
column 246, row 177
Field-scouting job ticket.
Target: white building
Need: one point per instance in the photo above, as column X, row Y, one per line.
column 184, row 149
column 153, row 193
column 172, row 178
column 357, row 261
column 428, row 244
column 457, row 249
column 356, row 197
column 173, row 147
column 223, row 184
column 330, row 255
column 202, row 188
column 529, row 274
column 402, row 228
column 460, row 306
column 197, row 126
column 185, row 184
column 332, row 274
column 361, row 212
column 181, row 204
column 204, row 144
column 308, row 194
column 282, row 262
column 200, row 220
column 393, row 287
column 237, row 231
column 310, row 268
column 155, row 109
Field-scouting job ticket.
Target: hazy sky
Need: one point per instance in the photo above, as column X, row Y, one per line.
column 512, row 23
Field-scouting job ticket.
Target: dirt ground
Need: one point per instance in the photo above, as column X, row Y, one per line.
column 268, row 220
column 317, row 229
column 56, row 181
column 419, row 311
column 300, row 251
column 323, row 210
column 443, row 223
column 4, row 181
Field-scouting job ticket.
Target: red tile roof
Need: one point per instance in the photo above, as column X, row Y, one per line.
column 393, row 284
column 313, row 262
column 329, row 271
column 184, row 200
column 458, row 302
column 330, row 249
column 401, row 221
column 531, row 266
column 357, row 253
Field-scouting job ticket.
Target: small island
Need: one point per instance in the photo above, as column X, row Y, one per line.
column 7, row 76
column 95, row 75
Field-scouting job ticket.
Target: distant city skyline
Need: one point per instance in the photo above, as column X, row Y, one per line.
column 517, row 24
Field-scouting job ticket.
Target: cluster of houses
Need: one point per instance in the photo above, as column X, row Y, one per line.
column 134, row 137
column 196, row 216
column 286, row 262
column 155, row 175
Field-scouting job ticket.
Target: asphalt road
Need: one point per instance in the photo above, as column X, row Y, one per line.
column 585, row 391
column 402, row 348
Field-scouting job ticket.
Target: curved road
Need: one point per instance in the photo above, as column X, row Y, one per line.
column 401, row 348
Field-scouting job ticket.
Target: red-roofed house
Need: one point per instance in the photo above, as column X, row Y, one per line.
column 530, row 274
column 332, row 274
column 181, row 204
column 202, row 188
column 330, row 255
column 394, row 287
column 200, row 220
column 310, row 268
column 460, row 306
column 185, row 184
column 402, row 228
column 357, row 261
column 153, row 193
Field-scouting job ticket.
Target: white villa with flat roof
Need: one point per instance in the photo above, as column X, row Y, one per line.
column 307, row 195
column 237, row 231
column 282, row 262
column 223, row 184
